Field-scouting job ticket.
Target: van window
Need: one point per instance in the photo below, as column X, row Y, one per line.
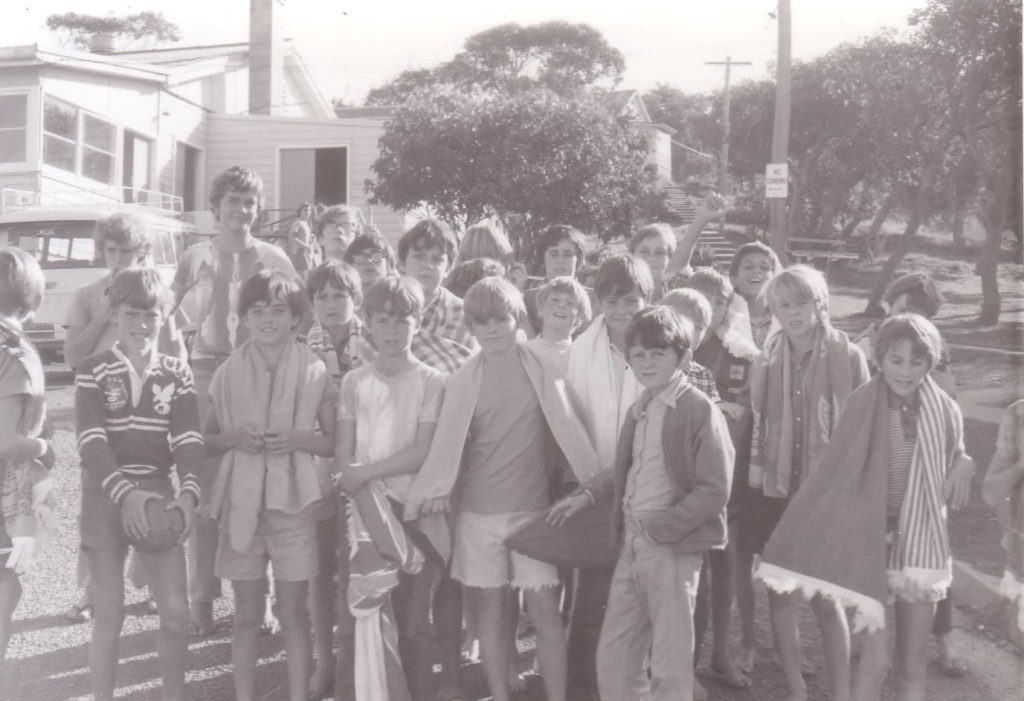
column 163, row 248
column 55, row 244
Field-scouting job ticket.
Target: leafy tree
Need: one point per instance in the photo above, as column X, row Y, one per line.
column 562, row 57
column 146, row 28
column 531, row 159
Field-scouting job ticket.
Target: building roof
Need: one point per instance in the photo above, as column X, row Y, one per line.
column 177, row 55
column 379, row 112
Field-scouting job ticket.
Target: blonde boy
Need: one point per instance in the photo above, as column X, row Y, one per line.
column 798, row 386
column 563, row 306
column 504, row 413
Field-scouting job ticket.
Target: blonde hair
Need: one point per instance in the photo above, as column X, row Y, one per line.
column 493, row 297
column 691, row 305
column 801, row 284
column 568, row 286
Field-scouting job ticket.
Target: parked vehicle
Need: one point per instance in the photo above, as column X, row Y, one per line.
column 61, row 238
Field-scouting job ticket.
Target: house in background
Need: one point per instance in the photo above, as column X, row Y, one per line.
column 157, row 126
column 628, row 103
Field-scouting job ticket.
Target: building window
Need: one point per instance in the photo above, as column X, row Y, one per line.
column 77, row 142
column 13, row 128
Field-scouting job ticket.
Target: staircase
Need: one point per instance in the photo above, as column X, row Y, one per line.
column 679, row 203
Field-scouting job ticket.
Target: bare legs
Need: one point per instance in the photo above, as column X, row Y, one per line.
column 493, row 623
column 835, row 637
column 913, row 625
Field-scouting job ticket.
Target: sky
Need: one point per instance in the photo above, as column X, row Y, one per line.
column 351, row 47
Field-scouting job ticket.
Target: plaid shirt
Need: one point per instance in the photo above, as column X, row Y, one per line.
column 438, row 352
column 444, row 317
column 701, row 378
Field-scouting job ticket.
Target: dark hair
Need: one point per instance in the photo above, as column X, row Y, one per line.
column 660, row 327
column 397, row 296
column 21, row 282
column 369, row 241
column 267, row 286
column 464, row 275
column 140, row 288
column 620, row 275
column 428, row 233
column 751, row 248
column 123, row 228
column 238, row 179
column 493, row 297
column 924, row 338
column 338, row 275
column 923, row 297
column 552, row 236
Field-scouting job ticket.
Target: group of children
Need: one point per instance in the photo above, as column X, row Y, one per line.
column 378, row 440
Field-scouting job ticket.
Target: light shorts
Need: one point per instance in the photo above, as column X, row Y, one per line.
column 480, row 557
column 287, row 541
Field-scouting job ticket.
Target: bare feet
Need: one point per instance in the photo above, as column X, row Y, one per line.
column 200, row 619
column 952, row 666
column 748, row 658
column 725, row 671
column 321, row 684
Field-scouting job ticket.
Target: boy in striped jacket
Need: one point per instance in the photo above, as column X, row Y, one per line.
column 137, row 415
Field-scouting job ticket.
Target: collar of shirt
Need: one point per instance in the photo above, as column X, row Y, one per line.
column 667, row 395
column 908, row 408
column 135, row 380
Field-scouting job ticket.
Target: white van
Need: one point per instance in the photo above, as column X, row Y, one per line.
column 61, row 238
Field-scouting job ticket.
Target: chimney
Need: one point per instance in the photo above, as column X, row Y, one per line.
column 266, row 56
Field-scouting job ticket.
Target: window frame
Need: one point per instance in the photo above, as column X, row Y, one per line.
column 81, row 148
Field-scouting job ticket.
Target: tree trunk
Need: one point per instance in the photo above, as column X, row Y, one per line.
column 882, row 214
column 988, row 270
column 958, row 224
column 928, row 172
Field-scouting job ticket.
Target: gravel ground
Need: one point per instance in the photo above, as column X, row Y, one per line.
column 47, row 659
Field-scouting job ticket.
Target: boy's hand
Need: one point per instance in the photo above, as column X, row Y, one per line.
column 186, row 501
column 732, row 410
column 133, row 512
column 437, row 505
column 570, row 506
column 712, row 207
column 351, row 479
column 958, row 483
column 248, row 437
column 280, row 442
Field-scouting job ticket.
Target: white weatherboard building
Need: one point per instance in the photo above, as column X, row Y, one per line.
column 157, row 126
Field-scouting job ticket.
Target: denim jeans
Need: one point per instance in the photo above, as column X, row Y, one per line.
column 650, row 609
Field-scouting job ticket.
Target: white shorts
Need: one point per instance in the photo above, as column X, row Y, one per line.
column 481, row 559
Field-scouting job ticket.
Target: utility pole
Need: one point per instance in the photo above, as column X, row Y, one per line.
column 780, row 137
column 723, row 165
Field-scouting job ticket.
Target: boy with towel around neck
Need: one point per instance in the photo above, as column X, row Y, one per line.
column 798, row 386
column 271, row 415
column 503, row 415
column 603, row 387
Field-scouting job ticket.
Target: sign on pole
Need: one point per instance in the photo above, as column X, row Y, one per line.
column 776, row 180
